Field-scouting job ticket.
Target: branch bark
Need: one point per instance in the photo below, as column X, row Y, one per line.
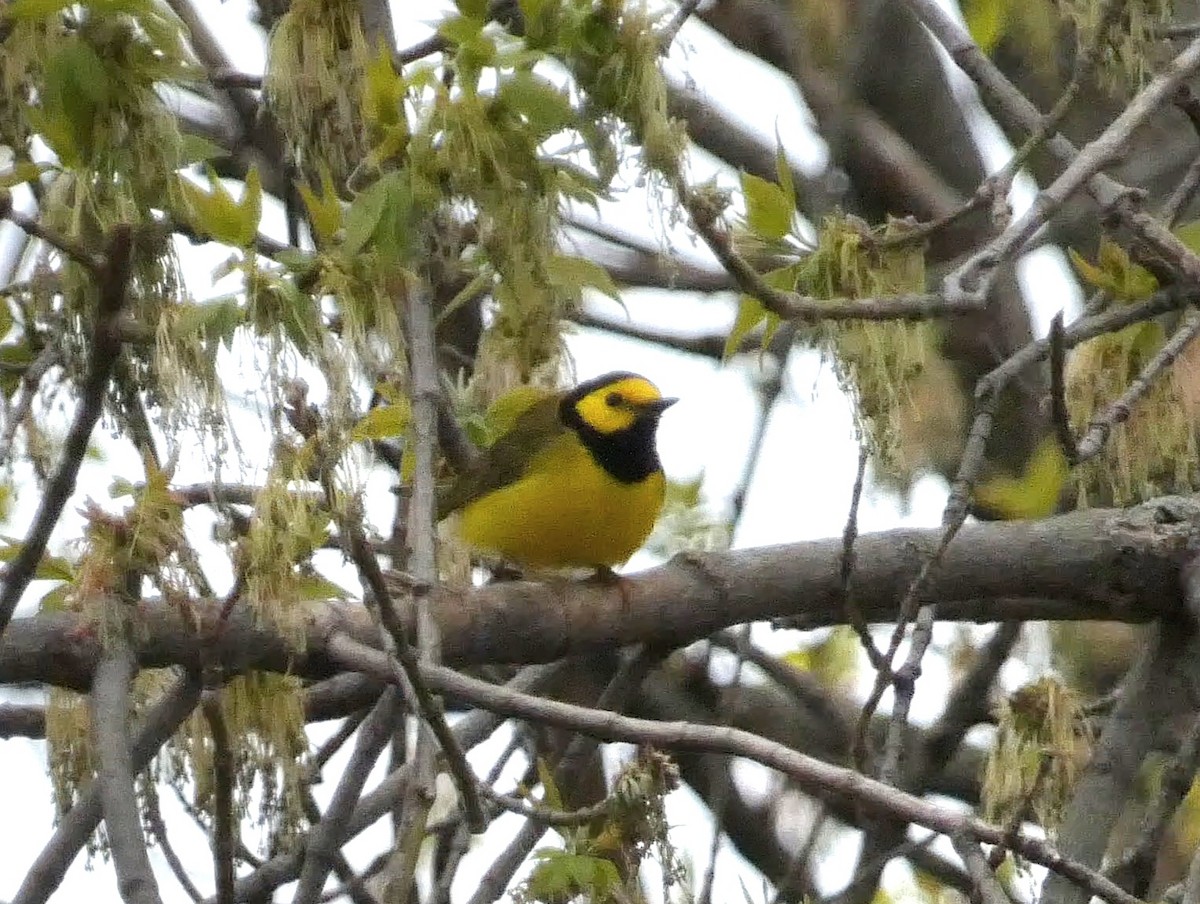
column 1097, row 565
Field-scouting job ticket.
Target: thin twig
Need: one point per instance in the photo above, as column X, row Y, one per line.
column 113, row 281
column 667, row 36
column 471, row 730
column 1119, row 411
column 30, row 381
column 31, row 226
column 326, row 837
column 547, row 816
column 1081, row 169
column 224, row 830
column 420, row 540
column 1060, row 416
column 805, row 309
column 853, row 612
column 158, row 829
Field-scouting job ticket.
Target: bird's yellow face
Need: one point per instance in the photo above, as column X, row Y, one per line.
column 617, row 405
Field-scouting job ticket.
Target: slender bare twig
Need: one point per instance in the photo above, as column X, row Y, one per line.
column 792, row 305
column 625, row 682
column 109, row 710
column 905, row 684
column 546, row 816
column 30, row 381
column 67, row 246
column 74, row 829
column 1119, row 411
column 325, row 839
column 158, row 829
column 1060, row 416
column 224, row 830
column 667, row 36
column 112, row 280
column 351, row 881
column 460, row 844
column 421, row 541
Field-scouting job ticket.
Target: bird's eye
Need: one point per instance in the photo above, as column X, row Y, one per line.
column 614, row 399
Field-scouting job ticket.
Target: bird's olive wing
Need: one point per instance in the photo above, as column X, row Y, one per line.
column 508, row 458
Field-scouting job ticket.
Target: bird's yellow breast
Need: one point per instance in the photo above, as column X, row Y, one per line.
column 565, row 511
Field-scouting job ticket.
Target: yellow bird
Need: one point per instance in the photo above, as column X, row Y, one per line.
column 574, row 482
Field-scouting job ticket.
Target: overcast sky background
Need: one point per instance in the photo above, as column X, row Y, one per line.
column 800, row 488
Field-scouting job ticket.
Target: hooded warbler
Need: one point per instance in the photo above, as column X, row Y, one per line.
column 574, row 482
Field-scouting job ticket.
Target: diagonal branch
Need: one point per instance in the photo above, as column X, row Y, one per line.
column 109, row 711
column 326, row 837
column 73, row 830
column 113, row 282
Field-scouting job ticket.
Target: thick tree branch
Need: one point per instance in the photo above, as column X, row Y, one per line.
column 1101, row 564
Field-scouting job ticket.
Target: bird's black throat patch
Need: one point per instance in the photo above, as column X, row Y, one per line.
column 629, row 455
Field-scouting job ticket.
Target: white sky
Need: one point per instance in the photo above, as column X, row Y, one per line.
column 801, row 486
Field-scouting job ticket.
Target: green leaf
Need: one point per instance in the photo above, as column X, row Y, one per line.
column 383, row 92
column 6, row 318
column 76, row 84
column 573, row 273
column 553, row 798
column 383, row 422
column 55, row 600
column 546, row 107
column 22, row 173
column 197, row 149
column 750, row 314
column 316, row 587
column 363, row 216
column 50, row 568
column 473, row 9
column 531, row 10
column 987, row 21
column 30, row 10
column 14, row 359
column 325, row 209
column 216, row 214
column 462, row 29
column 1189, row 234
column 217, row 319
column 783, row 172
column 768, row 211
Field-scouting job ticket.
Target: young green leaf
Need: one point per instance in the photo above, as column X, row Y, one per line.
column 573, row 273
column 216, row 214
column 768, row 210
column 325, row 209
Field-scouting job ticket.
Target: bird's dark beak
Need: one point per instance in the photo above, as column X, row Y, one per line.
column 657, row 407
